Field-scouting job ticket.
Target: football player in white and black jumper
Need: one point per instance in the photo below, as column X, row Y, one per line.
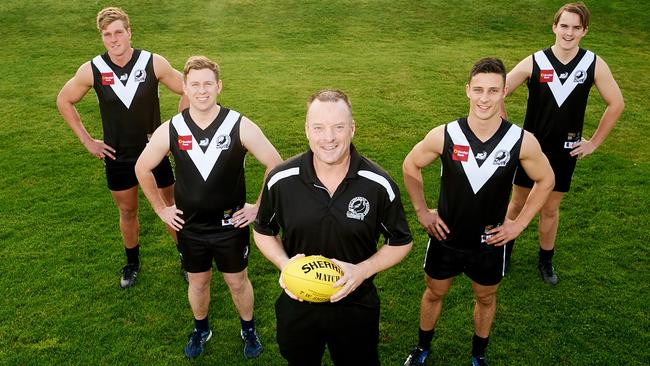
column 559, row 79
column 126, row 83
column 468, row 230
column 209, row 144
column 332, row 201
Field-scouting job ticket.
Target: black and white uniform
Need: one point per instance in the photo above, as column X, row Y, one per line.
column 557, row 100
column 345, row 226
column 210, row 187
column 476, row 181
column 130, row 110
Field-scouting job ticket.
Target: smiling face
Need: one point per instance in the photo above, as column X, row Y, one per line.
column 116, row 38
column 329, row 129
column 486, row 92
column 568, row 31
column 202, row 89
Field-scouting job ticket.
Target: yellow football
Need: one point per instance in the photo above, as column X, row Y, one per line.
column 311, row 278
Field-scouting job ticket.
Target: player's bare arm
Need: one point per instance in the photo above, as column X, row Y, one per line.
column 71, row 93
column 171, row 78
column 611, row 94
column 423, row 154
column 354, row 274
column 151, row 156
column 537, row 167
column 517, row 76
column 254, row 141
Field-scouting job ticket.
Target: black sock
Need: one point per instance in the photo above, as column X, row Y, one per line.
column 133, row 255
column 479, row 345
column 247, row 324
column 546, row 255
column 424, row 338
column 201, row 325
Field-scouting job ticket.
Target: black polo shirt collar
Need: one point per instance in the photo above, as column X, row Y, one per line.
column 308, row 172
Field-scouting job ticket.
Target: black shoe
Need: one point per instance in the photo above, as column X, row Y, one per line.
column 129, row 275
column 196, row 343
column 479, row 361
column 252, row 345
column 417, row 357
column 547, row 272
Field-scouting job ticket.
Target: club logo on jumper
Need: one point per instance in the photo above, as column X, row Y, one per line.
column 564, row 75
column 545, row 76
column 204, row 142
column 185, row 142
column 481, row 156
column 461, row 153
column 140, row 75
column 358, row 208
column 580, row 76
column 223, row 142
column 124, row 77
column 501, row 158
column 108, row 78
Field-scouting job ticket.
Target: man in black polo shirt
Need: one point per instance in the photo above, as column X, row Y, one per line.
column 332, row 201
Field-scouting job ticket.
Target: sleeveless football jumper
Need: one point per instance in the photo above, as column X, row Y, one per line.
column 128, row 103
column 210, row 179
column 476, row 181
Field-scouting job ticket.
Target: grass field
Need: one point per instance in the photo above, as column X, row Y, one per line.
column 404, row 65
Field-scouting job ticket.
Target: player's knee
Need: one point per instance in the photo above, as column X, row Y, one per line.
column 486, row 299
column 237, row 284
column 550, row 212
column 434, row 295
column 128, row 213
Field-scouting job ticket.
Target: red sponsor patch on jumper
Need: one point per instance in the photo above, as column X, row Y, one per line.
column 545, row 76
column 461, row 153
column 185, row 142
column 108, row 78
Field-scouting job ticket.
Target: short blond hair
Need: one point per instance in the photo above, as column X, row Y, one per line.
column 329, row 95
column 579, row 9
column 108, row 15
column 200, row 63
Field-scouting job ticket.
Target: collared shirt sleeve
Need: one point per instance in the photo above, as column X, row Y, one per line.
column 394, row 226
column 266, row 222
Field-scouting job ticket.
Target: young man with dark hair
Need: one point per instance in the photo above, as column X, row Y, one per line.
column 479, row 155
column 559, row 79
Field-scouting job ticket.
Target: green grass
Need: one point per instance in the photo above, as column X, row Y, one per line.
column 404, row 65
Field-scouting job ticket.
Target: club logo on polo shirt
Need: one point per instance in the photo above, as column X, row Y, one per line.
column 358, row 208
column 580, row 77
column 223, row 142
column 501, row 158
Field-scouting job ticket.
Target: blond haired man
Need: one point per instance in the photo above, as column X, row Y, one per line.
column 209, row 144
column 126, row 82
